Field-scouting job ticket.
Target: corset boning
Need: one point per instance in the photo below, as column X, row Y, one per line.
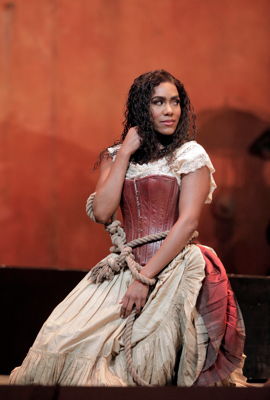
column 149, row 205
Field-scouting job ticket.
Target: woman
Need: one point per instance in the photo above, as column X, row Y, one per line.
column 188, row 328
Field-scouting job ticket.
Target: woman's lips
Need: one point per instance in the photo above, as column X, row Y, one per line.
column 168, row 123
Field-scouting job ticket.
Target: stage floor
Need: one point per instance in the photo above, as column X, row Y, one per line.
column 4, row 381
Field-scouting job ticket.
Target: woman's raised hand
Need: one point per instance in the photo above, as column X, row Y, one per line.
column 131, row 142
column 112, row 176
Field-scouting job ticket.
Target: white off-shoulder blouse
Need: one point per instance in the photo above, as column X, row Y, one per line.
column 187, row 158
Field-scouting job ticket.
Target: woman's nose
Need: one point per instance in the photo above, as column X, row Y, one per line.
column 168, row 109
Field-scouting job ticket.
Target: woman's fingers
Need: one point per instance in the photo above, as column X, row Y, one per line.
column 138, row 306
column 124, row 302
column 143, row 302
column 132, row 140
column 129, row 308
column 128, row 305
column 135, row 296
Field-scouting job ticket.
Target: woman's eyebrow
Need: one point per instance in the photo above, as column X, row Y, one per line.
column 163, row 98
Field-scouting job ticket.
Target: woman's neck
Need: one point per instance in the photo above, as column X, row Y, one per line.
column 164, row 140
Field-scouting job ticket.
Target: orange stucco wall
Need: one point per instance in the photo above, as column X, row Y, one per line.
column 65, row 69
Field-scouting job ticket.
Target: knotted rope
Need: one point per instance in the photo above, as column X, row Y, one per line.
column 120, row 257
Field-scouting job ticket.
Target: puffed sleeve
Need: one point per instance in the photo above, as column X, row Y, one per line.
column 191, row 156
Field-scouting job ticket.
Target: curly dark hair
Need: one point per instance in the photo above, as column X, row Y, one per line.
column 137, row 114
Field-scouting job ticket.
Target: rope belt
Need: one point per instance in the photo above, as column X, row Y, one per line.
column 120, row 257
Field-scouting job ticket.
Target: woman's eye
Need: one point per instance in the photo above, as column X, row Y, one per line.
column 160, row 102
column 157, row 102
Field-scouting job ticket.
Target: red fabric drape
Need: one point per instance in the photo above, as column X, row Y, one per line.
column 223, row 320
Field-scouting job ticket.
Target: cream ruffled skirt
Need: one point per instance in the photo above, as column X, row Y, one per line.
column 81, row 342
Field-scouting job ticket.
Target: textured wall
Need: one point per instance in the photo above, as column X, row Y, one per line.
column 65, row 69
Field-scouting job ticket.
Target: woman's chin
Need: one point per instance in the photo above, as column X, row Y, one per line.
column 166, row 132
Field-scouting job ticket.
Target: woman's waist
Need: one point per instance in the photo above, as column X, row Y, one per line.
column 145, row 252
column 143, row 225
column 140, row 229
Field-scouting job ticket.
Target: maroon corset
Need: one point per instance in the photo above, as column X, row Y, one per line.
column 149, row 205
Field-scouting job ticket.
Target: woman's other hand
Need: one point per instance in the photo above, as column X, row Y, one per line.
column 131, row 142
column 135, row 295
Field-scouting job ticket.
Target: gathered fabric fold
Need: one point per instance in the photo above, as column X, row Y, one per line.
column 223, row 320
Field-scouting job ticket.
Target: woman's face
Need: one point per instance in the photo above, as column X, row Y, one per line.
column 165, row 108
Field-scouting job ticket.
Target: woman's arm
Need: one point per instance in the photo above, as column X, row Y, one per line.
column 112, row 175
column 193, row 193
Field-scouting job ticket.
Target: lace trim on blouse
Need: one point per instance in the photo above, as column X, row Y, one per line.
column 189, row 157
